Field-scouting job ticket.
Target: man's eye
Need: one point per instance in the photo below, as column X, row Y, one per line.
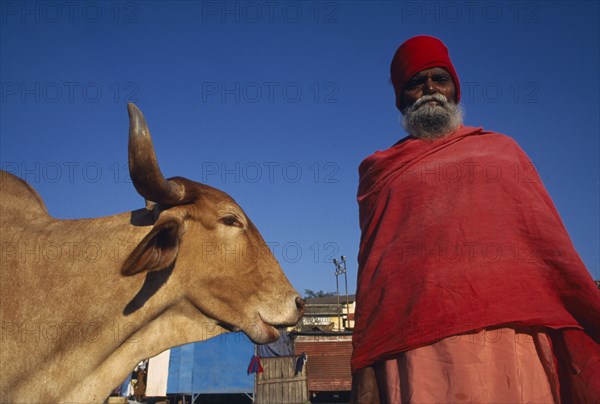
column 231, row 220
column 413, row 84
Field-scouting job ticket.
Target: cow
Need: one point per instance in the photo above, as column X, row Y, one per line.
column 83, row 301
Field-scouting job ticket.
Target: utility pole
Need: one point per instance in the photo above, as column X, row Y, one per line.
column 340, row 268
column 337, row 292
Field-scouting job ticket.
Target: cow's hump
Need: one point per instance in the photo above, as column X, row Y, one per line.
column 18, row 200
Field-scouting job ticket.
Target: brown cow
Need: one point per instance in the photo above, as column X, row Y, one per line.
column 83, row 301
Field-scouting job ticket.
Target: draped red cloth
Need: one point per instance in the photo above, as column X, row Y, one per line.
column 459, row 234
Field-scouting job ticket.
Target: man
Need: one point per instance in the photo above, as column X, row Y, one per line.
column 469, row 288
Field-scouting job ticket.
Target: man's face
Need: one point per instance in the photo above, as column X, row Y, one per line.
column 426, row 82
column 430, row 111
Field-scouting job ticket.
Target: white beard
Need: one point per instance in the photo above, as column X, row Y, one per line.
column 432, row 121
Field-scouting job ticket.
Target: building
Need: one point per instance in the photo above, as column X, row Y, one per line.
column 328, row 314
column 325, row 336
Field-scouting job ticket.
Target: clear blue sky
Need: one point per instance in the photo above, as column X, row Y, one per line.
column 277, row 103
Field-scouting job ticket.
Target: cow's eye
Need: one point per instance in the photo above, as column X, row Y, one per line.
column 231, row 220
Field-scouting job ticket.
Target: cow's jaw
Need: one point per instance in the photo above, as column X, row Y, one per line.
column 261, row 329
column 287, row 315
column 264, row 333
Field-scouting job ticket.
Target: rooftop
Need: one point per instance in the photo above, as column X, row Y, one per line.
column 329, row 300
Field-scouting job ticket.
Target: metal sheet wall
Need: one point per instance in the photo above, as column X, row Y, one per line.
column 328, row 367
column 214, row 366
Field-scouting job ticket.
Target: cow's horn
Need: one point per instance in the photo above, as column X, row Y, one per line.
column 143, row 167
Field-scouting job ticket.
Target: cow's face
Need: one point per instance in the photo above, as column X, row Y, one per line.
column 224, row 267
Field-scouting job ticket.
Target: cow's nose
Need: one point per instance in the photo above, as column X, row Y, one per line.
column 300, row 303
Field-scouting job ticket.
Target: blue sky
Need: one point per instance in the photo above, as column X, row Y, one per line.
column 277, row 103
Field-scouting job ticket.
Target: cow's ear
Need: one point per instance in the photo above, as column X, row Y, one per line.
column 157, row 251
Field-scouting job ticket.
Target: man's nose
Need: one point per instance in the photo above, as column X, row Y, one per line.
column 429, row 87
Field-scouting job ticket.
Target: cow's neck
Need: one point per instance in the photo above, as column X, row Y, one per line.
column 177, row 325
column 112, row 327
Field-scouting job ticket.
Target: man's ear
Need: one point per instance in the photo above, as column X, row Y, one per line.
column 157, row 251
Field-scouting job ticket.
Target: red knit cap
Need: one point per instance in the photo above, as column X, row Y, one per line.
column 417, row 54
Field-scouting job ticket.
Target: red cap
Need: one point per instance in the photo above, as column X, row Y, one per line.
column 417, row 54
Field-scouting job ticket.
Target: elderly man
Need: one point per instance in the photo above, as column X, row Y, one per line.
column 469, row 288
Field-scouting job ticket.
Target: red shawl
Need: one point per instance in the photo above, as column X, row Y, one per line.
column 460, row 234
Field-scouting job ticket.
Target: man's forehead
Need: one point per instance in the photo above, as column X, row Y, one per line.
column 431, row 71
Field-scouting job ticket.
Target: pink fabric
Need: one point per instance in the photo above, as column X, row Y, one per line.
column 459, row 234
column 491, row 366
